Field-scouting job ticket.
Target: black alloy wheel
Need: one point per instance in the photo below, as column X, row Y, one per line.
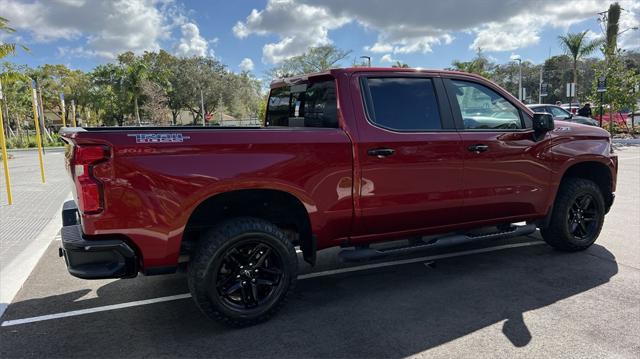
column 582, row 218
column 249, row 274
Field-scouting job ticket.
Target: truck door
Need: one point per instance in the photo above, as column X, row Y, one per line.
column 408, row 155
column 505, row 172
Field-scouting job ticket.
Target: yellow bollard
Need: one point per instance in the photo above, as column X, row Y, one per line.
column 38, row 138
column 5, row 159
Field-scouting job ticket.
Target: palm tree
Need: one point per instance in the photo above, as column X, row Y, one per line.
column 400, row 65
column 7, row 49
column 135, row 71
column 577, row 47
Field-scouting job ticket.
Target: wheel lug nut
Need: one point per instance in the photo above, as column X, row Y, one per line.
column 238, row 276
column 243, row 282
column 250, row 264
column 241, row 267
column 256, row 271
column 253, row 280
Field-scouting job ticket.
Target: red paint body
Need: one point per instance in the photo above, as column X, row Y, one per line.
column 431, row 184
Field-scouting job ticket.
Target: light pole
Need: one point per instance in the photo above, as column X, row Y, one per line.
column 540, row 85
column 368, row 60
column 519, row 59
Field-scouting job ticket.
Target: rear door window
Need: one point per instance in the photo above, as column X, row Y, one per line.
column 402, row 103
column 303, row 105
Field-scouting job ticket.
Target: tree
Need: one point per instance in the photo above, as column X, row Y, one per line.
column 480, row 65
column 6, row 48
column 400, row 65
column 508, row 75
column 155, row 103
column 135, row 74
column 16, row 88
column 57, row 79
column 620, row 83
column 576, row 46
column 316, row 59
column 108, row 94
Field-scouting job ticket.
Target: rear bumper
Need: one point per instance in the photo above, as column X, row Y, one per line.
column 94, row 258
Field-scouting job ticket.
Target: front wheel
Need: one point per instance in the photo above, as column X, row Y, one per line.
column 578, row 215
column 242, row 271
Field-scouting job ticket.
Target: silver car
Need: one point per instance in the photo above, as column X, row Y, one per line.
column 560, row 114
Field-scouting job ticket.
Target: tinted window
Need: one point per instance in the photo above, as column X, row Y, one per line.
column 305, row 105
column 483, row 108
column 402, row 103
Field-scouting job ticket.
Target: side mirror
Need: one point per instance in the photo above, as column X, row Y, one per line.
column 570, row 115
column 542, row 123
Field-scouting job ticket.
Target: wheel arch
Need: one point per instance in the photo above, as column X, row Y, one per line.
column 590, row 169
column 595, row 171
column 278, row 206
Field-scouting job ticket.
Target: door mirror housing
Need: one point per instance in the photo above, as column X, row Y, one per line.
column 542, row 123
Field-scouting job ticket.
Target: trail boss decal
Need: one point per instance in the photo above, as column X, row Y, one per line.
column 159, row 137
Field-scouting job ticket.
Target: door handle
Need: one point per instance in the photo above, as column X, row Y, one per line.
column 478, row 148
column 381, row 152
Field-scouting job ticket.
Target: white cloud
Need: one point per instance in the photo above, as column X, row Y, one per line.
column 387, row 58
column 299, row 26
column 246, row 64
column 630, row 18
column 505, row 36
column 416, row 26
column 103, row 28
column 191, row 42
column 379, row 48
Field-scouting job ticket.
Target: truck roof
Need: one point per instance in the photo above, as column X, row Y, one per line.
column 335, row 72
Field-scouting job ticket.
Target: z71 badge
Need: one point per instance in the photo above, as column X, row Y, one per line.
column 159, row 137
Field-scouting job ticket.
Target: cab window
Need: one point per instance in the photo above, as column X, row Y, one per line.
column 303, row 105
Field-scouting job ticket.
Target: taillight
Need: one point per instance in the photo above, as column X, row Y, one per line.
column 88, row 188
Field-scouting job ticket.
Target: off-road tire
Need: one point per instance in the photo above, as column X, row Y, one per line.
column 208, row 256
column 558, row 233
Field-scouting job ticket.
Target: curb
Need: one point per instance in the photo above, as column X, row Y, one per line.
column 57, row 148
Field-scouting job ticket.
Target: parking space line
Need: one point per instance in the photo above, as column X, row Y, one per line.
column 73, row 313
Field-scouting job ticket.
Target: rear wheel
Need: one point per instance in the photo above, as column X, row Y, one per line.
column 242, row 271
column 578, row 215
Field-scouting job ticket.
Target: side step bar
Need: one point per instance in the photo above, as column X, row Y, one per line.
column 361, row 254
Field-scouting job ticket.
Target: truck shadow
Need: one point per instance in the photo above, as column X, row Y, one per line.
column 386, row 312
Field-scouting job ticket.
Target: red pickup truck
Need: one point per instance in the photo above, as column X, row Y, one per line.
column 348, row 157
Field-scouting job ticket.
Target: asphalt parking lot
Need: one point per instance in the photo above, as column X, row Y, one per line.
column 494, row 299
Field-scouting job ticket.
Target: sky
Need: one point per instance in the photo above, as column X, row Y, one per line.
column 255, row 35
